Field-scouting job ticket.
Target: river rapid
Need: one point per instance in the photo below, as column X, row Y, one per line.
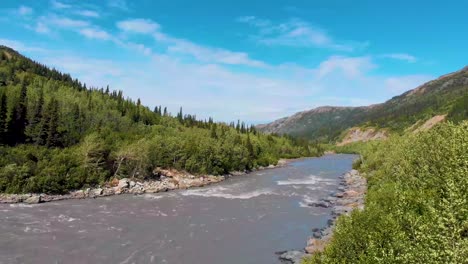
column 244, row 219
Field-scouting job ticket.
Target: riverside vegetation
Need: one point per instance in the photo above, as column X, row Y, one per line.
column 57, row 135
column 416, row 208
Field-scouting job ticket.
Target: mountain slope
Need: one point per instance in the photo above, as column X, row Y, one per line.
column 57, row 135
column 445, row 95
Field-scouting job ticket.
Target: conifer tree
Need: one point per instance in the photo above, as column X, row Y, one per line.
column 52, row 139
column 34, row 125
column 3, row 118
column 18, row 121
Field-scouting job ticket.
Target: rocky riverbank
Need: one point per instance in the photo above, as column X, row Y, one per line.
column 350, row 196
column 167, row 180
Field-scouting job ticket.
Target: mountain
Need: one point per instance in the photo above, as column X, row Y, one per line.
column 445, row 96
column 57, row 135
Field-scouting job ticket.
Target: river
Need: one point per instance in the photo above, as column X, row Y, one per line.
column 244, row 219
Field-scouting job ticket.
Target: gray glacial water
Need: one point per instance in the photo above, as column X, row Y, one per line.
column 244, row 219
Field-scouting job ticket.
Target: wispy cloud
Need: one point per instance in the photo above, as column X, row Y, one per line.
column 400, row 84
column 182, row 46
column 88, row 13
column 65, row 22
column 143, row 26
column 42, row 28
column 119, row 4
column 59, row 5
column 350, row 66
column 296, row 33
column 93, row 33
column 25, row 10
column 400, row 56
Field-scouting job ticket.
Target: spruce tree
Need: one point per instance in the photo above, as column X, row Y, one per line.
column 34, row 125
column 3, row 118
column 18, row 121
column 52, row 139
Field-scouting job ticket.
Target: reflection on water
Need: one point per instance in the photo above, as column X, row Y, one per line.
column 242, row 220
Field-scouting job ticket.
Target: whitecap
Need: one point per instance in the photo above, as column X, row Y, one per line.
column 312, row 179
column 222, row 192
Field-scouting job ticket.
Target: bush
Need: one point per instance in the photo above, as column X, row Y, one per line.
column 416, row 206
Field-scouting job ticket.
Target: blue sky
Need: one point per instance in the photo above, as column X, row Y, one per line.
column 250, row 60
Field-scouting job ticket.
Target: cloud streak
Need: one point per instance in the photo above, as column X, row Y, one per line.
column 400, row 56
column 295, row 33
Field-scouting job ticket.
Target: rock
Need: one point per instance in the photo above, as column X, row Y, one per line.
column 321, row 204
column 315, row 245
column 123, row 183
column 132, row 184
column 271, row 166
column 317, row 234
column 98, row 192
column 294, row 256
column 33, row 199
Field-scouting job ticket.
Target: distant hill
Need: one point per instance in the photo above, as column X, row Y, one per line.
column 447, row 95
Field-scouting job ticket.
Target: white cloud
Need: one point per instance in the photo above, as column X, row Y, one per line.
column 213, row 55
column 349, row 66
column 20, row 46
column 25, row 11
column 42, row 28
column 296, row 33
column 119, row 4
column 185, row 47
column 59, row 5
column 401, row 56
column 400, row 84
column 143, row 26
column 94, row 33
column 88, row 13
column 65, row 22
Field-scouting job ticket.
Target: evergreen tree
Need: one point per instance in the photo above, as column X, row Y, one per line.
column 18, row 121
column 34, row 125
column 213, row 131
column 52, row 139
column 3, row 118
column 165, row 111
column 180, row 116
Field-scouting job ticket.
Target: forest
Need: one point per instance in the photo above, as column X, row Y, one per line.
column 416, row 208
column 57, row 135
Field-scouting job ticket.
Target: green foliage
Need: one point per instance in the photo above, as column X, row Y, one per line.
column 417, row 202
column 65, row 136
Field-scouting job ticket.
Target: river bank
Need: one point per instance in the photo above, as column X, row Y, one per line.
column 169, row 179
column 350, row 196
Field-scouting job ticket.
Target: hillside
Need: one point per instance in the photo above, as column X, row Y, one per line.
column 445, row 95
column 57, row 134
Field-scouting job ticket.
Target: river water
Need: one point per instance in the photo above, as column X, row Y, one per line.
column 244, row 219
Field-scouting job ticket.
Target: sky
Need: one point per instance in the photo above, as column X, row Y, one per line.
column 250, row 60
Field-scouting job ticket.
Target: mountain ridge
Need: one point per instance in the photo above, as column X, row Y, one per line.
column 435, row 97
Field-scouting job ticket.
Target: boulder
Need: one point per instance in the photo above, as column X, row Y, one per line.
column 293, row 256
column 132, row 184
column 98, row 192
column 321, row 204
column 315, row 245
column 123, row 183
column 35, row 199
